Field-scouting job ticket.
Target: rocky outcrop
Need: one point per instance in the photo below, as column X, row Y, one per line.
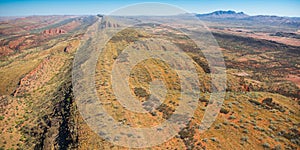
column 68, row 48
column 270, row 104
column 109, row 24
column 54, row 31
column 13, row 44
column 62, row 29
column 5, row 51
column 61, row 130
column 71, row 47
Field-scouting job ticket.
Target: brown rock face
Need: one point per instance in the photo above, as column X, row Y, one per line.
column 68, row 48
column 5, row 51
column 110, row 24
column 54, row 31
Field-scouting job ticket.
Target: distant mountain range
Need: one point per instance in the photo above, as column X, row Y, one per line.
column 241, row 16
column 224, row 14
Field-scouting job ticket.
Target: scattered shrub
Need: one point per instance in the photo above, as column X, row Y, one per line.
column 218, row 126
column 259, row 128
column 272, row 127
column 213, row 139
column 254, row 102
column 224, row 111
column 244, row 138
column 140, row 92
column 266, row 145
column 225, row 123
column 245, row 131
column 203, row 100
column 232, row 117
column 277, row 147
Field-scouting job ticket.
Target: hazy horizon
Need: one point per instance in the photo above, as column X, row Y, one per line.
column 141, row 15
column 287, row 8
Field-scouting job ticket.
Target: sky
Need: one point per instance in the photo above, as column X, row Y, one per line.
column 92, row 7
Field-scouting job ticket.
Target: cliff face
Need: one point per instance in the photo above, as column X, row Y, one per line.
column 54, row 31
column 109, row 24
column 60, row 130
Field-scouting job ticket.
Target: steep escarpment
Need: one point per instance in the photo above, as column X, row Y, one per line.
column 46, row 116
column 37, row 105
column 60, row 130
column 43, row 116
